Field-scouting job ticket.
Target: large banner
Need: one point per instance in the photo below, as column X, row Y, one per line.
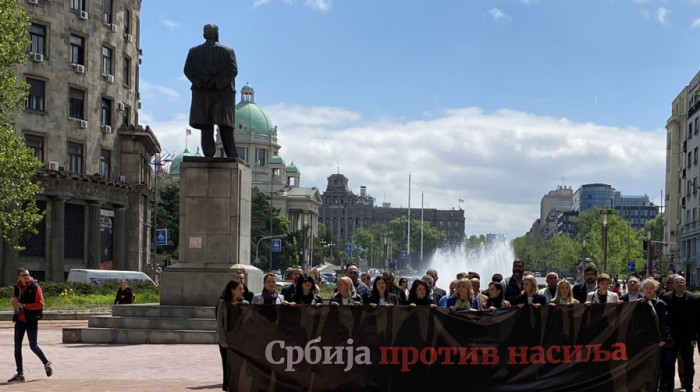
column 329, row 348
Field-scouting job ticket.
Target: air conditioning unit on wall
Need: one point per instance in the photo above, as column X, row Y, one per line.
column 121, row 106
column 83, row 15
column 79, row 68
column 83, row 124
column 53, row 165
column 107, row 129
column 38, row 57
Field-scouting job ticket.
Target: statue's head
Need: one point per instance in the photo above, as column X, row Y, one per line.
column 211, row 32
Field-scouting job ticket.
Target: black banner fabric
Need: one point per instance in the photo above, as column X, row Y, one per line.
column 329, row 348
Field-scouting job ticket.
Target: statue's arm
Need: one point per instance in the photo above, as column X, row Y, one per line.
column 198, row 80
column 229, row 71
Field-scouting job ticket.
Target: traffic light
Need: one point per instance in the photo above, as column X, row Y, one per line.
column 645, row 245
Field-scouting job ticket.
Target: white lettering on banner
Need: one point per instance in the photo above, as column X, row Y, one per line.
column 313, row 354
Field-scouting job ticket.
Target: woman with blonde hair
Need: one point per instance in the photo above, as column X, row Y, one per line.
column 564, row 295
column 529, row 296
column 463, row 298
column 346, row 293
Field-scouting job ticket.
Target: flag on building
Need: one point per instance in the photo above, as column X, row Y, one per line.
column 159, row 166
column 189, row 132
column 461, row 200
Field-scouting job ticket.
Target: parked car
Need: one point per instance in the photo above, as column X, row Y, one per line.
column 101, row 277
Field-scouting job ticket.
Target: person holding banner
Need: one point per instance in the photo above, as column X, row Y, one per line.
column 464, row 297
column 268, row 296
column 602, row 295
column 305, row 292
column 564, row 295
column 418, row 295
column 496, row 300
column 346, row 293
column 380, row 294
column 529, row 296
column 231, row 296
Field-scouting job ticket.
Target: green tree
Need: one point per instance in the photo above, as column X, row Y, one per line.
column 168, row 209
column 261, row 210
column 475, row 242
column 18, row 210
column 433, row 239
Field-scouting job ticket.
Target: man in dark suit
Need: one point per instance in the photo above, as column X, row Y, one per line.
column 633, row 293
column 433, row 274
column 682, row 321
column 581, row 290
column 514, row 285
column 434, row 297
column 289, row 290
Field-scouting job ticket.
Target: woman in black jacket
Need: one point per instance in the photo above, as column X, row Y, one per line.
column 529, row 296
column 305, row 292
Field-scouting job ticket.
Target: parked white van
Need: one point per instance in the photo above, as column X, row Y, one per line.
column 100, row 277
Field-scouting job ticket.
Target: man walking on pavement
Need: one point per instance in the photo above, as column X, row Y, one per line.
column 28, row 305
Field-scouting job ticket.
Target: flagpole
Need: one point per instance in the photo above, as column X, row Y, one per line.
column 408, row 246
column 421, row 227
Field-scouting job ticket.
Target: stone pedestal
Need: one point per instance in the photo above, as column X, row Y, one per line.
column 215, row 196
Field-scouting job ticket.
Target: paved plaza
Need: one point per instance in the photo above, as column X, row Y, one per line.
column 118, row 367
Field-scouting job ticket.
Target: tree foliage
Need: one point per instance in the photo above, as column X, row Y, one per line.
column 261, row 213
column 19, row 214
column 433, row 239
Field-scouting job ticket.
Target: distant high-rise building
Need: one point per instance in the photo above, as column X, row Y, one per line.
column 81, row 121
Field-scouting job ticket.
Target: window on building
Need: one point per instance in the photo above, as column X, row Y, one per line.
column 77, row 5
column 76, row 105
column 107, row 11
column 126, row 115
column 74, row 231
column 106, row 116
column 36, row 143
column 696, row 125
column 77, row 49
column 35, row 99
column 37, row 34
column 690, row 158
column 106, row 60
column 695, row 155
column 261, row 156
column 127, row 21
column 105, row 163
column 126, row 71
column 75, row 158
column 690, row 130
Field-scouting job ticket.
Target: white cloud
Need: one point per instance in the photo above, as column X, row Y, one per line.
column 319, row 5
column 500, row 163
column 170, row 24
column 260, row 2
column 695, row 24
column 149, row 90
column 661, row 14
column 499, row 16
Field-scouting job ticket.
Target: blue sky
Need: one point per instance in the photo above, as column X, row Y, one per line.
column 493, row 102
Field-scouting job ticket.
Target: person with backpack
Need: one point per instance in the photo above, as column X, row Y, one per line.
column 28, row 305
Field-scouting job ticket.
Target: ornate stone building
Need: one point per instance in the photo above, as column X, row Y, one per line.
column 343, row 212
column 81, row 120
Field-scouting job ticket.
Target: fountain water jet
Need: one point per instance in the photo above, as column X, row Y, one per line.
column 486, row 260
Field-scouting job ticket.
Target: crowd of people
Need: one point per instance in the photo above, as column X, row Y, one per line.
column 676, row 308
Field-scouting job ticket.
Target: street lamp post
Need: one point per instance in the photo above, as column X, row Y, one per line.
column 648, row 268
column 305, row 264
column 157, row 167
column 385, row 243
column 604, row 242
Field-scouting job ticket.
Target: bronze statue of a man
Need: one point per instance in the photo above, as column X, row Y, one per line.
column 212, row 69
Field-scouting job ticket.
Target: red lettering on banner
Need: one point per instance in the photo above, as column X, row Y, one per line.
column 470, row 358
column 600, row 355
column 512, row 355
column 405, row 361
column 570, row 352
column 619, row 352
column 448, row 352
column 490, row 356
column 537, row 355
column 424, row 355
column 550, row 354
column 385, row 353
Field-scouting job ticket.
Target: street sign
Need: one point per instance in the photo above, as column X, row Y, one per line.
column 161, row 236
column 404, row 255
column 348, row 249
column 654, row 267
column 276, row 245
column 631, row 267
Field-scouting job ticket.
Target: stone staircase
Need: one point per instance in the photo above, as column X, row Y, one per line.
column 148, row 324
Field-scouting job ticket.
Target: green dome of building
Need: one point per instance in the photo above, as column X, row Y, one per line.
column 276, row 160
column 291, row 169
column 253, row 118
column 175, row 163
